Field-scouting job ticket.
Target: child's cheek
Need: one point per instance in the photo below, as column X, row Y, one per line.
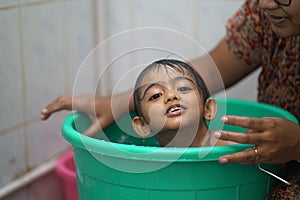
column 156, row 116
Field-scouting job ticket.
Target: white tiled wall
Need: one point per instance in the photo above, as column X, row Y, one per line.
column 191, row 23
column 42, row 39
column 12, row 142
column 78, row 42
column 10, row 71
column 7, row 3
column 43, row 44
column 12, row 155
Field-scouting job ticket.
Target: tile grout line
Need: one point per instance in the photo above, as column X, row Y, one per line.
column 20, row 125
column 66, row 66
column 95, row 35
column 30, row 4
column 132, row 25
column 24, row 91
column 196, row 16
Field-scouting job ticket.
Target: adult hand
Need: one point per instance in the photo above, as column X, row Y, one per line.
column 98, row 108
column 276, row 140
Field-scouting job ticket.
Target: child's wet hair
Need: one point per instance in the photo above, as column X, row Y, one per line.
column 167, row 64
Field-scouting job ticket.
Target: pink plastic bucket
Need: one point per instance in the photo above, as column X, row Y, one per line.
column 65, row 169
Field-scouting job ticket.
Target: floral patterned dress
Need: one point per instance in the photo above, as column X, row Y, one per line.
column 250, row 37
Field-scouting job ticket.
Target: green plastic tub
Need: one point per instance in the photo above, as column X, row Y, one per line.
column 117, row 165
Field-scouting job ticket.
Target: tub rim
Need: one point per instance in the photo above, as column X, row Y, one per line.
column 151, row 153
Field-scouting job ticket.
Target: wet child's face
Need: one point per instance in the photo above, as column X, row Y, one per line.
column 170, row 100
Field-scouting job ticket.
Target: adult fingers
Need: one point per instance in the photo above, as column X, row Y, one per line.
column 258, row 124
column 248, row 156
column 243, row 138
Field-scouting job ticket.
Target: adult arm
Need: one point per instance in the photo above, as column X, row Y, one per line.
column 220, row 68
column 277, row 140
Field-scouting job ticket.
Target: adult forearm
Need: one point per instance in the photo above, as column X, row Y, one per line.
column 220, row 68
column 208, row 70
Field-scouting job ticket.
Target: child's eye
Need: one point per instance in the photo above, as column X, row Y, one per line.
column 184, row 89
column 155, row 96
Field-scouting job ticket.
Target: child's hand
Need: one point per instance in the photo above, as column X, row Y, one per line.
column 97, row 108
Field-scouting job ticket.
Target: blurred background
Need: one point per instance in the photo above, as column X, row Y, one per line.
column 43, row 43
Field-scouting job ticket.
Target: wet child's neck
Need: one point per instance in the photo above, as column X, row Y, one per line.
column 185, row 137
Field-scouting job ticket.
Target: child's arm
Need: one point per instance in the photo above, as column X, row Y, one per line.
column 102, row 110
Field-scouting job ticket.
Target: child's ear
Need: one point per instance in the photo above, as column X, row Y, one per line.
column 140, row 127
column 210, row 109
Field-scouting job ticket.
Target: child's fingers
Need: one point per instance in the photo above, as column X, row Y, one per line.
column 60, row 103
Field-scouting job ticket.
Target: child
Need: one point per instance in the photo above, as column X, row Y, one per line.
column 172, row 101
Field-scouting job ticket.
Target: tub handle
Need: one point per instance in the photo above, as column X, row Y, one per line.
column 274, row 175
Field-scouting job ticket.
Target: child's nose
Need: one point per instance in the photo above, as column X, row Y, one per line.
column 171, row 96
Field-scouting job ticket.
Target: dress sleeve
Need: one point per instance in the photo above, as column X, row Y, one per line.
column 245, row 33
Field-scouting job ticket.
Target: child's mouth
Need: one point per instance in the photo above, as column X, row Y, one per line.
column 175, row 110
